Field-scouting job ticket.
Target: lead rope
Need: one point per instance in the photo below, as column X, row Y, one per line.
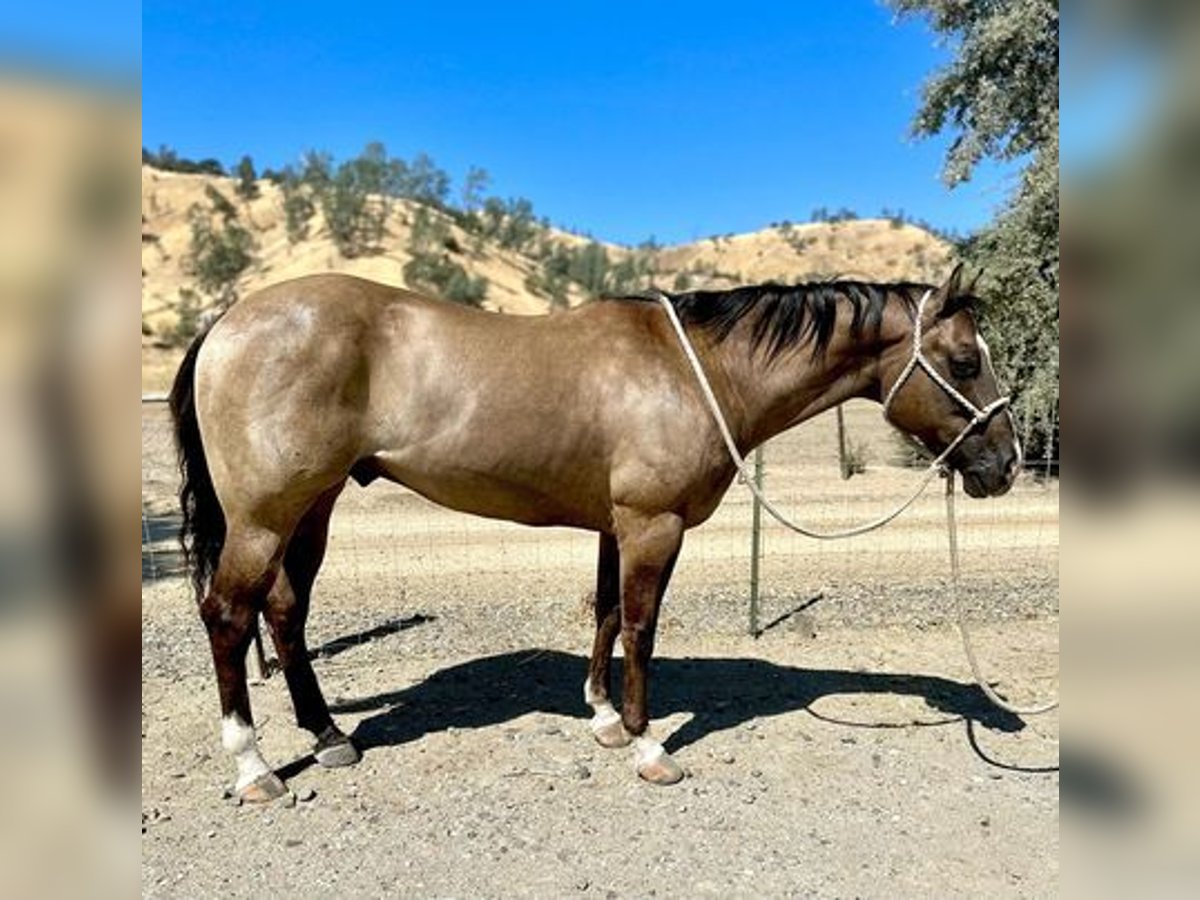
column 938, row 466
column 961, row 615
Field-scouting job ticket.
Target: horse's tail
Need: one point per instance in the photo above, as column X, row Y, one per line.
column 202, row 533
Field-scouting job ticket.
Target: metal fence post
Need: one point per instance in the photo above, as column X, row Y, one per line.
column 755, row 541
column 843, row 461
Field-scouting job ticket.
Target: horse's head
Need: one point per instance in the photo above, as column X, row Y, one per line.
column 946, row 394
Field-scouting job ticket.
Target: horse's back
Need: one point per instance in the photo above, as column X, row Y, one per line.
column 522, row 417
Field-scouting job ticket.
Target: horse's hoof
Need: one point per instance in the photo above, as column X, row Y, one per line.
column 263, row 789
column 663, row 770
column 335, row 750
column 654, row 764
column 611, row 734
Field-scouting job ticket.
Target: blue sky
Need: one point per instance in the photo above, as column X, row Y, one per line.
column 677, row 120
column 87, row 39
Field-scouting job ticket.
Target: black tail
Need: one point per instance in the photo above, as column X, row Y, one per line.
column 202, row 534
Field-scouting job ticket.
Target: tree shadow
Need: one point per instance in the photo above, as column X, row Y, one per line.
column 720, row 694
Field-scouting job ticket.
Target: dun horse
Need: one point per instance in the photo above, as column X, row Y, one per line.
column 591, row 419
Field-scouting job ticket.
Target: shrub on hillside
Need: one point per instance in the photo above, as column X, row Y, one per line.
column 221, row 249
column 441, row 275
column 247, row 184
column 298, row 207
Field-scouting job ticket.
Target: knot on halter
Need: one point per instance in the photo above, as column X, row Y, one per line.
column 979, row 415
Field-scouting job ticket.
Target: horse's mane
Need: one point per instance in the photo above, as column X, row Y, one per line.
column 788, row 315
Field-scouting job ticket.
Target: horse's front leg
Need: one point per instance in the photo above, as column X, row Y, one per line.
column 606, row 721
column 649, row 546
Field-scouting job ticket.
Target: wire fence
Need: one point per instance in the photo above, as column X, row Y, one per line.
column 387, row 541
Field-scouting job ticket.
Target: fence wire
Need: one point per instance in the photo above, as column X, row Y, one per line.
column 386, row 541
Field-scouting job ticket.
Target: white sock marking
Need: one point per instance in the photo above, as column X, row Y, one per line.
column 604, row 713
column 646, row 750
column 238, row 738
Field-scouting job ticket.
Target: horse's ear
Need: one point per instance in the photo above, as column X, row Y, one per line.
column 974, row 282
column 951, row 296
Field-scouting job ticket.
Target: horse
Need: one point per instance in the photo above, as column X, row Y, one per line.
column 588, row 418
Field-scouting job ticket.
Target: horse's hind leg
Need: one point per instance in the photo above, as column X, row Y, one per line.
column 287, row 613
column 249, row 562
column 606, row 721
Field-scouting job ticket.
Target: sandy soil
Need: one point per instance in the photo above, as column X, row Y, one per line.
column 842, row 753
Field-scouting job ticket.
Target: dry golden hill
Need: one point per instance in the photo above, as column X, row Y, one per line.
column 873, row 249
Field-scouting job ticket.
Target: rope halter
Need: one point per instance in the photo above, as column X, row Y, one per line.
column 979, row 415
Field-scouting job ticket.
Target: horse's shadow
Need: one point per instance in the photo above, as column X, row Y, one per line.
column 720, row 693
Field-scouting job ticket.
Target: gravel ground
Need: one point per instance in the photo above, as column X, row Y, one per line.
column 842, row 753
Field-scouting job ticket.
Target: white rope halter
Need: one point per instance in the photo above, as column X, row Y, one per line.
column 938, row 466
column 918, row 358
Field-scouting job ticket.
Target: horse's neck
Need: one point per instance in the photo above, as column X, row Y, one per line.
column 771, row 397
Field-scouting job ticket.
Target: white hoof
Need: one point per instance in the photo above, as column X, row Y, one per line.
column 654, row 764
column 608, row 729
column 262, row 789
column 606, row 723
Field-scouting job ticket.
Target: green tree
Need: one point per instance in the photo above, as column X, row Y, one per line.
column 425, row 182
column 343, row 203
column 429, row 232
column 555, row 280
column 438, row 273
column 247, row 184
column 220, row 251
column 187, row 323
column 353, row 197
column 998, row 97
column 474, row 188
column 298, row 207
column 220, row 203
column 168, row 160
column 316, row 169
column 589, row 268
column 519, row 225
column 623, row 277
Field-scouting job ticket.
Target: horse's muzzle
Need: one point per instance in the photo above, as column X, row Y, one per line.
column 991, row 476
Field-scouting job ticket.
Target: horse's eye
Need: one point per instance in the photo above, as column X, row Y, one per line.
column 964, row 369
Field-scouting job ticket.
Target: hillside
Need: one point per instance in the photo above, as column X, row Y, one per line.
column 875, row 249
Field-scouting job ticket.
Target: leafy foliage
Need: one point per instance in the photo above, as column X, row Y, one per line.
column 438, row 273
column 353, row 198
column 220, row 204
column 475, row 185
column 298, row 207
column 999, row 97
column 170, row 161
column 247, row 184
column 555, row 278
column 187, row 323
column 432, row 269
column 510, row 223
column 221, row 249
column 588, row 267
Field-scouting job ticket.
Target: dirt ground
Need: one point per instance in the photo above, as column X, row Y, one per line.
column 844, row 752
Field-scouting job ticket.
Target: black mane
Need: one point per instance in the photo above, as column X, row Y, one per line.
column 788, row 315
